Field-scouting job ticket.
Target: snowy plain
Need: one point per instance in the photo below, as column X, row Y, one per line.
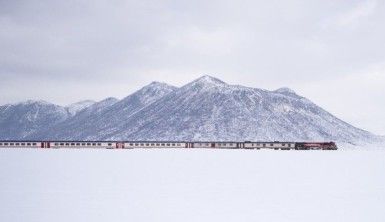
column 191, row 185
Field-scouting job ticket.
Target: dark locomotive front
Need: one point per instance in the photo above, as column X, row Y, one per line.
column 316, row 146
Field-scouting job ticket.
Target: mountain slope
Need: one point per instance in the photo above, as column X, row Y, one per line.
column 20, row 120
column 100, row 119
column 209, row 109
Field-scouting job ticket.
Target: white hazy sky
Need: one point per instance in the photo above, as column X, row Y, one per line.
column 332, row 52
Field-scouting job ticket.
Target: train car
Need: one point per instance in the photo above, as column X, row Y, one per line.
column 20, row 144
column 228, row 145
column 154, row 144
column 316, row 146
column 276, row 145
column 216, row 145
column 81, row 144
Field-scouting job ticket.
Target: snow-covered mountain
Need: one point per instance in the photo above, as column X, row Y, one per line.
column 209, row 109
column 205, row 109
column 99, row 120
column 18, row 121
column 84, row 121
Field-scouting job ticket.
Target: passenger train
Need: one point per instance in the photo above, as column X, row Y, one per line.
column 276, row 145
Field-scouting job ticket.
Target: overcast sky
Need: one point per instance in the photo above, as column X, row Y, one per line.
column 332, row 52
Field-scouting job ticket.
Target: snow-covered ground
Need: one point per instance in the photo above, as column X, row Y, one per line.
column 191, row 185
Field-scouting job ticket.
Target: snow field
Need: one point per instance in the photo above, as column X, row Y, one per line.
column 191, row 185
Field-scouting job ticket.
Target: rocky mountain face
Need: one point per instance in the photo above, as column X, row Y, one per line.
column 205, row 109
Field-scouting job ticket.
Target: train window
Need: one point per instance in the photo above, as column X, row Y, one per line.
column 110, row 144
column 28, row 144
column 23, row 144
column 11, row 144
column 178, row 144
column 67, row 144
column 131, row 144
column 17, row 144
column 83, row 144
column 56, row 144
column 34, row 144
column 5, row 144
column 158, row 144
column 289, row 145
column 77, row 144
column 72, row 144
column 88, row 144
column 152, row 144
column 271, row 144
column 136, row 144
column 264, row 145
column 1, row 144
column 173, row 144
column 162, row 144
column 147, row 144
column 61, row 144
column 99, row 144
column 93, row 144
column 168, row 144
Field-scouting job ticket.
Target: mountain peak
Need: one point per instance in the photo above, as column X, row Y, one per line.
column 74, row 108
column 285, row 90
column 207, row 80
column 34, row 102
column 156, row 83
column 159, row 85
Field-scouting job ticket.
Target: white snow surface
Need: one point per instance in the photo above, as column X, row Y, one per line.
column 191, row 185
